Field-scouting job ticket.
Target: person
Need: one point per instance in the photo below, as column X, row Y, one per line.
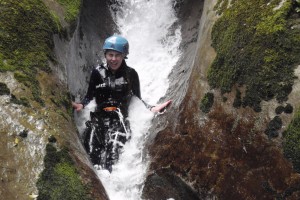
column 112, row 85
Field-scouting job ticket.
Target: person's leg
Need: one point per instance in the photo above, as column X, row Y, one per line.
column 104, row 139
column 117, row 139
column 93, row 142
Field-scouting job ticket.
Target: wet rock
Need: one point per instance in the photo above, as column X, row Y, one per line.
column 23, row 164
column 226, row 155
column 274, row 125
column 164, row 184
column 52, row 139
column 288, row 109
column 23, row 133
column 238, row 99
column 279, row 110
column 4, row 90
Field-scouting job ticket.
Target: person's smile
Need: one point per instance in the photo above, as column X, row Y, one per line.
column 114, row 59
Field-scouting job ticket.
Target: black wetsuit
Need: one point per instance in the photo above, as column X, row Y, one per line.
column 105, row 133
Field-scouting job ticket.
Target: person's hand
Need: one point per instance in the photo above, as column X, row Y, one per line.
column 77, row 106
column 161, row 107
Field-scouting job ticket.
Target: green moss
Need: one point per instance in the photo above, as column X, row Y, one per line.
column 63, row 100
column 60, row 179
column 72, row 9
column 26, row 29
column 56, row 21
column 256, row 47
column 4, row 65
column 207, row 102
column 291, row 144
column 30, row 81
column 221, row 6
column 22, row 78
column 22, row 101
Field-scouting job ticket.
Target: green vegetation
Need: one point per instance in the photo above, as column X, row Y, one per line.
column 60, row 179
column 291, row 145
column 207, row 102
column 26, row 47
column 26, row 29
column 57, row 23
column 22, row 101
column 258, row 46
column 221, row 6
column 62, row 100
column 72, row 9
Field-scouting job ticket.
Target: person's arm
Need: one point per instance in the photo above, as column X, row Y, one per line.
column 77, row 106
column 136, row 88
column 90, row 93
column 137, row 92
column 161, row 107
column 135, row 84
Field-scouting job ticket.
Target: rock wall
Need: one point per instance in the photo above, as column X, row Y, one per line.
column 223, row 153
column 220, row 154
column 82, row 49
column 41, row 152
column 162, row 181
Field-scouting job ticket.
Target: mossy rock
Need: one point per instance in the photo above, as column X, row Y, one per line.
column 257, row 48
column 22, row 101
column 207, row 102
column 279, row 110
column 60, row 178
column 26, row 38
column 238, row 99
column 288, row 109
column 273, row 127
column 72, row 8
column 291, row 144
column 26, row 29
column 26, row 41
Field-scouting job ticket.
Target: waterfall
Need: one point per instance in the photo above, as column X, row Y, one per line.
column 154, row 38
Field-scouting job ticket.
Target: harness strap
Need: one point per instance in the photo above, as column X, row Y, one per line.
column 109, row 109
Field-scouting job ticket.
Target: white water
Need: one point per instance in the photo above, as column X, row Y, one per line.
column 153, row 51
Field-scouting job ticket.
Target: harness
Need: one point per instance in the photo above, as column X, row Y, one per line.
column 114, row 88
column 109, row 109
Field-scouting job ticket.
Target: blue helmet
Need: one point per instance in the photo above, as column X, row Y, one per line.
column 116, row 43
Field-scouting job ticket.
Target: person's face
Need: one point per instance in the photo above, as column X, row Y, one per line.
column 114, row 59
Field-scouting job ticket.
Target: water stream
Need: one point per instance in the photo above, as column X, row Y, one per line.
column 154, row 38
